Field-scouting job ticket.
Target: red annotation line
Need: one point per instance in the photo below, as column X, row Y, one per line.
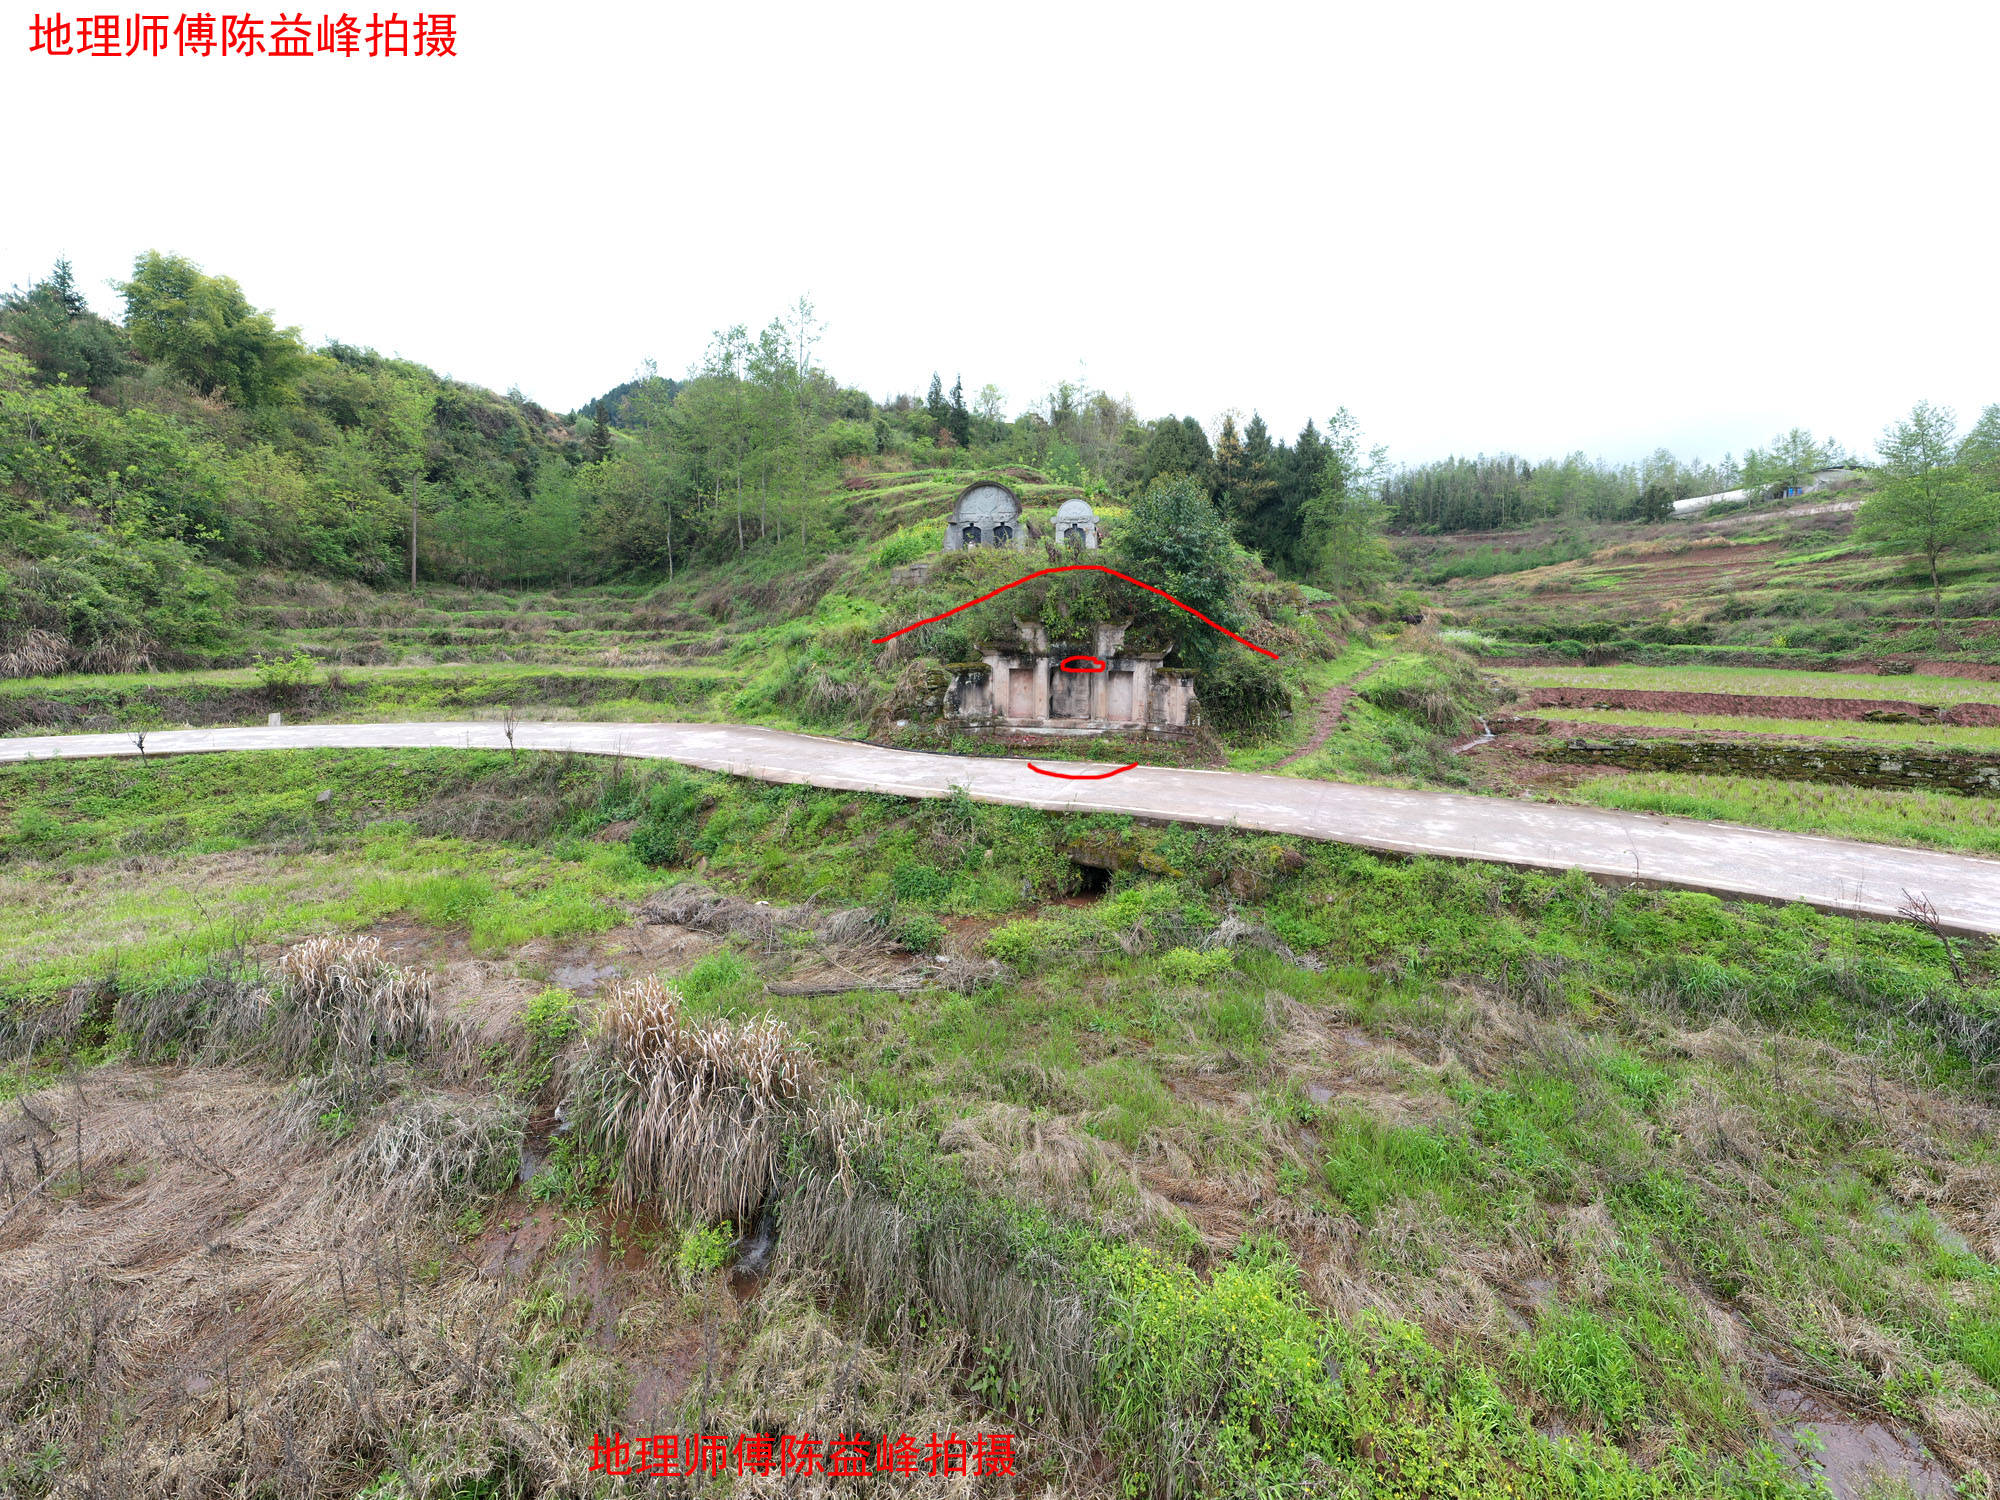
column 1081, row 775
column 1074, row 568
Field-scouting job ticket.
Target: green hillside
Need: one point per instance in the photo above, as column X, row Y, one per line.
column 419, row 1124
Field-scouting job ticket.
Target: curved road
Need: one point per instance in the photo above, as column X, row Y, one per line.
column 1834, row 874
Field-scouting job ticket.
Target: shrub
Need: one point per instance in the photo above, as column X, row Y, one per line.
column 1439, row 689
column 665, row 835
column 550, row 1019
column 1189, row 966
column 920, row 884
column 920, row 932
column 903, row 548
column 287, row 674
column 1242, row 1347
column 704, row 1250
column 1243, row 695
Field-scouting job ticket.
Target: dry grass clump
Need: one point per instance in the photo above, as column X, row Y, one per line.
column 1009, row 1149
column 434, row 1153
column 35, row 653
column 343, row 999
column 798, row 1373
column 695, row 1112
column 703, row 909
column 901, row 1269
column 211, row 1293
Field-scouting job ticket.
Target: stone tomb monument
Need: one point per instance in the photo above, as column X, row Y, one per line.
column 986, row 515
column 1026, row 690
column 1076, row 525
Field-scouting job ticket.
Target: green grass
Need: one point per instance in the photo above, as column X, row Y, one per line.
column 1312, row 687
column 1946, row 737
column 1369, row 1164
column 1582, row 1364
column 1759, row 682
column 1919, row 819
column 1567, row 1132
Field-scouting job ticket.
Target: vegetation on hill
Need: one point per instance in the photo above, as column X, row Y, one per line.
column 1270, row 1166
column 199, row 440
column 391, row 1123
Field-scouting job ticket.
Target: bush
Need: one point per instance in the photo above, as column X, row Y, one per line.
column 704, row 1250
column 920, row 933
column 1440, row 689
column 665, row 835
column 922, row 885
column 1189, row 966
column 903, row 548
column 287, row 674
column 1243, row 696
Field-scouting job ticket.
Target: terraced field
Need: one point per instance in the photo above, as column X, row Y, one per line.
column 1776, row 583
column 1946, row 724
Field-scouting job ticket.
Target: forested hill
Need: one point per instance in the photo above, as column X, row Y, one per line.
column 148, row 467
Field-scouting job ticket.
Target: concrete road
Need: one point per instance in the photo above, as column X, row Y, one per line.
column 1834, row 874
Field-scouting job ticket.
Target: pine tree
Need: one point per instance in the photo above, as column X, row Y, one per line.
column 1256, row 488
column 1229, row 465
column 958, row 421
column 935, row 406
column 61, row 285
column 599, row 446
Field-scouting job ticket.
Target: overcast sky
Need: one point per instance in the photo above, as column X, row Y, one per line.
column 1489, row 227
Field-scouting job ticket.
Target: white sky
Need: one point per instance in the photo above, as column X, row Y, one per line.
column 1531, row 227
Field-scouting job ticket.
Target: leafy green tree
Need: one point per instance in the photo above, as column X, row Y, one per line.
column 1228, row 463
column 203, row 329
column 1980, row 452
column 599, row 444
column 1253, row 495
column 1340, row 525
column 1175, row 539
column 1178, row 446
column 54, row 327
column 1929, row 504
column 1790, row 462
column 1342, row 546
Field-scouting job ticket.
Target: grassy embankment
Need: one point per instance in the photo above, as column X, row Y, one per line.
column 1277, row 1164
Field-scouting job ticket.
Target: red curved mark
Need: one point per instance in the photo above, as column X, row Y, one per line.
column 1064, row 664
column 1084, row 776
column 1074, row 568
